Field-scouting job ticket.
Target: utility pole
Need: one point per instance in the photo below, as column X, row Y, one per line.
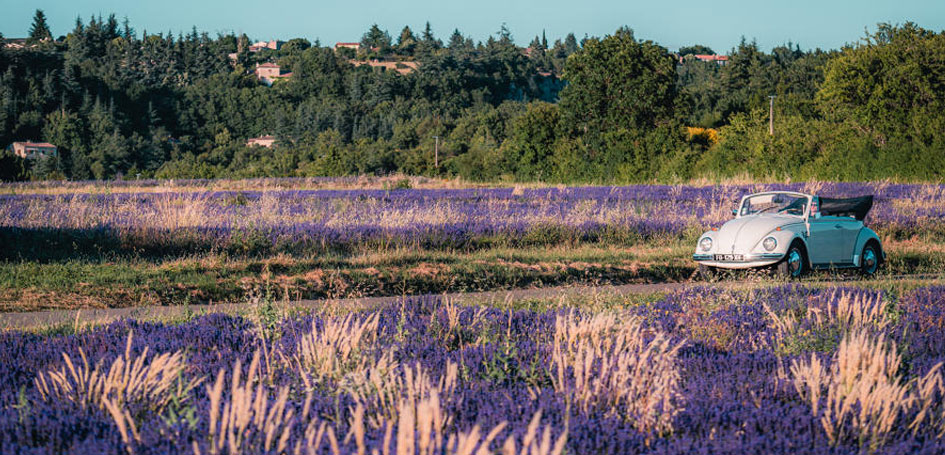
column 771, row 116
column 436, row 152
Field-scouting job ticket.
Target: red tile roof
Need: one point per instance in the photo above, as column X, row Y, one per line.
column 36, row 144
column 706, row 57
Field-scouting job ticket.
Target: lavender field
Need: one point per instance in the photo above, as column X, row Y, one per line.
column 315, row 221
column 781, row 370
column 771, row 368
column 88, row 244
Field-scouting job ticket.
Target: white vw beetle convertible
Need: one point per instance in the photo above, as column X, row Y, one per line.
column 793, row 232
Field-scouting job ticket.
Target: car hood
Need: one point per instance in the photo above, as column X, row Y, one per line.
column 742, row 234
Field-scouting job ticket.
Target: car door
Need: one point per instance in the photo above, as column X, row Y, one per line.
column 823, row 244
column 850, row 230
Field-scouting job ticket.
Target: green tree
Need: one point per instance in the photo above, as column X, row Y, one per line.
column 333, row 156
column 39, row 31
column 12, row 167
column 529, row 149
column 295, row 45
column 457, row 40
column 428, row 42
column 406, row 43
column 695, row 49
column 742, row 81
column 65, row 130
column 618, row 82
column 892, row 84
column 376, row 40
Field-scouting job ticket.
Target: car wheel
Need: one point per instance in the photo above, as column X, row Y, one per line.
column 869, row 260
column 708, row 273
column 794, row 263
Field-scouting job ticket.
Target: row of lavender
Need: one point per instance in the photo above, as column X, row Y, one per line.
column 702, row 371
column 318, row 219
column 105, row 185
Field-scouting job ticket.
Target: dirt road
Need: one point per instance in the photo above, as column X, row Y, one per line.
column 83, row 317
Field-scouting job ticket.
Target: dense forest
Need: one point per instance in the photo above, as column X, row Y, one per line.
column 126, row 104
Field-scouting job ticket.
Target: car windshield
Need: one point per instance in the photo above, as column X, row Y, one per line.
column 774, row 203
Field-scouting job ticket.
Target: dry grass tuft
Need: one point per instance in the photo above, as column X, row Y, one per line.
column 128, row 380
column 247, row 420
column 331, row 352
column 861, row 396
column 417, row 433
column 411, row 407
column 384, row 393
column 605, row 364
column 532, row 444
column 128, row 383
column 930, row 403
column 124, row 422
column 851, row 313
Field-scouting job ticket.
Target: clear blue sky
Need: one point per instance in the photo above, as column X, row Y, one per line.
column 719, row 24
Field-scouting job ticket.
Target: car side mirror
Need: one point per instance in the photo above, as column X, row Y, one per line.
column 734, row 212
column 816, row 215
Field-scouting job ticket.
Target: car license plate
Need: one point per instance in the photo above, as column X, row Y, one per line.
column 729, row 257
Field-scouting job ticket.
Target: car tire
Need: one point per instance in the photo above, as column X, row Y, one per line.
column 708, row 273
column 794, row 264
column 869, row 259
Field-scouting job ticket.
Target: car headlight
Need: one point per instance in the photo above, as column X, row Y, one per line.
column 770, row 243
column 705, row 244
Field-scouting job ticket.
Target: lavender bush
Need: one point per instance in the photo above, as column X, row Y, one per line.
column 426, row 376
column 314, row 221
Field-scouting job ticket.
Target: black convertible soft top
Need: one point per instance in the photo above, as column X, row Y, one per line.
column 856, row 207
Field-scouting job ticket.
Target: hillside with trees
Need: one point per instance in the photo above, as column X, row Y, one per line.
column 120, row 103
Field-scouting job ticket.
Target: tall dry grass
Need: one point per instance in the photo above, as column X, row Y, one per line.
column 129, row 386
column 860, row 396
column 612, row 365
column 125, row 423
column 128, row 380
column 850, row 312
column 340, row 346
column 383, row 392
column 418, row 434
column 418, row 425
column 246, row 420
column 929, row 396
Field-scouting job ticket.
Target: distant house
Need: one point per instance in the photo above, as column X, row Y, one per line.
column 400, row 67
column 261, row 141
column 31, row 150
column 271, row 44
column 721, row 60
column 270, row 72
column 355, row 46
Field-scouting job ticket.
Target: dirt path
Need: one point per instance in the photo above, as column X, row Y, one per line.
column 83, row 317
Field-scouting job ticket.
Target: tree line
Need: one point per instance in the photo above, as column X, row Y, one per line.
column 616, row 109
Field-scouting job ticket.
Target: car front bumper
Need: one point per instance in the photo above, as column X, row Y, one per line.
column 742, row 261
